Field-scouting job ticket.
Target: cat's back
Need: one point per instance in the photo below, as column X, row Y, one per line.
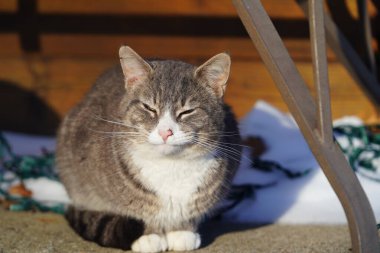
column 105, row 92
column 108, row 88
column 77, row 128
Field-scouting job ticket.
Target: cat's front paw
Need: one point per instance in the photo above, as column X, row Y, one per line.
column 183, row 240
column 150, row 244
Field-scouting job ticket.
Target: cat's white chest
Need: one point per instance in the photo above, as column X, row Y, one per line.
column 174, row 181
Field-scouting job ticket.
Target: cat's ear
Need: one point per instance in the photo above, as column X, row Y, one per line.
column 215, row 73
column 136, row 70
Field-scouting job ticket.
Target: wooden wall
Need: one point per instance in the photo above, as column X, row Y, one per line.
column 55, row 49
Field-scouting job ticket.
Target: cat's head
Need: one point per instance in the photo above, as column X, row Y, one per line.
column 172, row 106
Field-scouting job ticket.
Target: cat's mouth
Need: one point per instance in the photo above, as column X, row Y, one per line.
column 169, row 149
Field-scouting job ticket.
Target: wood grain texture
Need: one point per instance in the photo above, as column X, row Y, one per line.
column 275, row 8
column 140, row 7
column 68, row 79
column 177, row 47
column 69, row 63
column 9, row 45
column 8, row 5
column 251, row 81
column 150, row 46
column 164, row 7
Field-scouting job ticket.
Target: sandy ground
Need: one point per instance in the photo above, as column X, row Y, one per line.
column 39, row 233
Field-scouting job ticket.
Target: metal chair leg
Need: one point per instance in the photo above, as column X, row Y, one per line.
column 312, row 117
column 365, row 22
column 347, row 55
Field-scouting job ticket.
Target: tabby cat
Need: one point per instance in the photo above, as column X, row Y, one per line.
column 148, row 152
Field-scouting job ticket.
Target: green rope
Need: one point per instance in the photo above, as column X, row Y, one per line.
column 28, row 166
column 25, row 167
column 270, row 166
column 363, row 149
column 361, row 158
column 362, row 155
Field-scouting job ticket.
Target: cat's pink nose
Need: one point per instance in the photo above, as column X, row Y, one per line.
column 165, row 134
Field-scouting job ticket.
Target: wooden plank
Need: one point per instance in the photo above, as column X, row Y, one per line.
column 224, row 8
column 163, row 7
column 176, row 47
column 68, row 79
column 250, row 81
column 10, row 45
column 148, row 46
column 275, row 8
column 352, row 7
column 8, row 5
column 140, row 7
column 15, row 70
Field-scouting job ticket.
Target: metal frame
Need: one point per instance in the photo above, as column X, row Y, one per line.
column 365, row 22
column 365, row 76
column 313, row 117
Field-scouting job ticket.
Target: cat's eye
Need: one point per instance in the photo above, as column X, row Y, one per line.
column 148, row 108
column 182, row 114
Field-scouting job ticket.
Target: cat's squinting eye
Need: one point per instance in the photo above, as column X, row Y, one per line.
column 147, row 107
column 181, row 114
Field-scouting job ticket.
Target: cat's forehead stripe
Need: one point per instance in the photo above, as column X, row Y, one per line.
column 166, row 121
column 184, row 101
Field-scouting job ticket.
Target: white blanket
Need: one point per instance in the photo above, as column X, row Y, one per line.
column 309, row 199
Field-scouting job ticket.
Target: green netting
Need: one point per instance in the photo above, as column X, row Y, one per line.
column 362, row 150
column 16, row 168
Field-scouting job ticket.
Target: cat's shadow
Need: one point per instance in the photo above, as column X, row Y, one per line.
column 22, row 110
column 212, row 229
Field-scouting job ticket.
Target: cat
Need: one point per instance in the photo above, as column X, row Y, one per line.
column 149, row 152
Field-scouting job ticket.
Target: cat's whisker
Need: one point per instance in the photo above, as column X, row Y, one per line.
column 226, row 148
column 114, row 133
column 221, row 131
column 232, row 154
column 107, row 120
column 214, row 142
column 117, row 132
column 119, row 123
column 226, row 143
column 222, row 134
column 114, row 137
column 221, row 153
column 186, row 138
column 208, row 140
column 233, row 151
column 135, row 142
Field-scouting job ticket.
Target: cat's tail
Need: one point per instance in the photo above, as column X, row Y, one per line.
column 106, row 229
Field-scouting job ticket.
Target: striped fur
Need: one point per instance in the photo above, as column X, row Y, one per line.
column 106, row 229
column 104, row 149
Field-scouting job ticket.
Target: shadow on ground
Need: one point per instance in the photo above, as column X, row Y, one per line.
column 210, row 230
column 23, row 111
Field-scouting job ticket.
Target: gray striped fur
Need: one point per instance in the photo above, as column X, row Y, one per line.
column 112, row 204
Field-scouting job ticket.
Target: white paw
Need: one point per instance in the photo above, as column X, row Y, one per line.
column 183, row 240
column 150, row 243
